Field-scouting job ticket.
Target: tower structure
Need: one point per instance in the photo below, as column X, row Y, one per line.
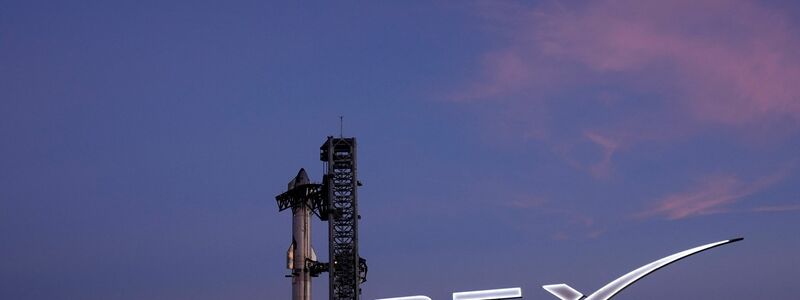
column 347, row 269
column 334, row 201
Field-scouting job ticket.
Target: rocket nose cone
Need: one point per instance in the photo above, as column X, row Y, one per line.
column 300, row 179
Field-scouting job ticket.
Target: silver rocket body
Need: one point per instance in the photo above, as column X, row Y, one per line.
column 300, row 250
column 301, row 233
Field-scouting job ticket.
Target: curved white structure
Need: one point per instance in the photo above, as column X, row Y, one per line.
column 564, row 292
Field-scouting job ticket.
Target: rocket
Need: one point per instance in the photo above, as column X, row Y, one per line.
column 300, row 249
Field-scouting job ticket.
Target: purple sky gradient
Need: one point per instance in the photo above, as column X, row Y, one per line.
column 501, row 144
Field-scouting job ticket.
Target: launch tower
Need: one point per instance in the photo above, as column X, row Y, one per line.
column 334, row 201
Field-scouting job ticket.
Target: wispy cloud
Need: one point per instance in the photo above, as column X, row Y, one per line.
column 711, row 195
column 777, row 208
column 602, row 168
column 599, row 165
column 730, row 62
column 646, row 71
column 528, row 202
column 575, row 224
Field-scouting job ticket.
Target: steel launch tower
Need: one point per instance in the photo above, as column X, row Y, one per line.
column 334, row 201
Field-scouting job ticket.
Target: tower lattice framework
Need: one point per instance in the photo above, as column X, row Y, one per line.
column 347, row 269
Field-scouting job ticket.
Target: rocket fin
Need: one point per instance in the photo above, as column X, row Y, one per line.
column 290, row 256
column 564, row 292
column 313, row 254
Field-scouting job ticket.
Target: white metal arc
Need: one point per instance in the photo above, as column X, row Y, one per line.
column 616, row 286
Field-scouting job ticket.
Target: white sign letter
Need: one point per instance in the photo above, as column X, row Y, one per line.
column 512, row 293
column 407, row 298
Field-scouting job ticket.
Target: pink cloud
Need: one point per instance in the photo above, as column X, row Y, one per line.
column 605, row 145
column 711, row 195
column 529, row 202
column 650, row 70
column 778, row 208
column 576, row 224
column 725, row 62
column 560, row 236
column 602, row 169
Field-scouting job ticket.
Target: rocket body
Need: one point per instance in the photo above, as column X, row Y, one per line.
column 301, row 232
column 300, row 251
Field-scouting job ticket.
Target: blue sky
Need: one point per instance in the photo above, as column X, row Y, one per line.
column 501, row 144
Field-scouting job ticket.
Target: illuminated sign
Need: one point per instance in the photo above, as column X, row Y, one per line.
column 565, row 292
column 512, row 293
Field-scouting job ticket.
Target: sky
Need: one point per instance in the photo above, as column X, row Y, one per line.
column 501, row 144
